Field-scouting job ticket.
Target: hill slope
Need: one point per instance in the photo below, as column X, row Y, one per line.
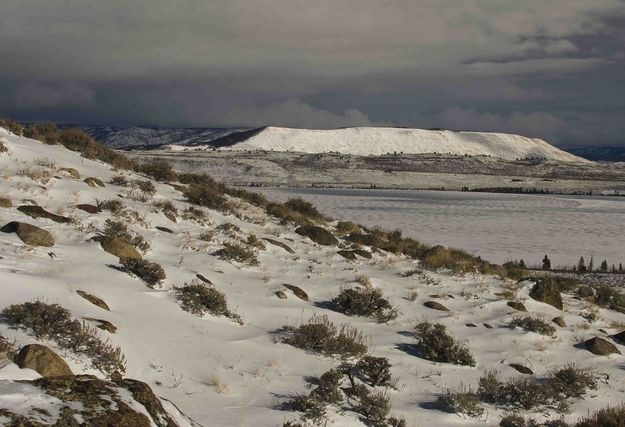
column 377, row 141
column 220, row 372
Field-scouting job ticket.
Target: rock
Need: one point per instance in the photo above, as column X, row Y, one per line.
column 97, row 402
column 116, row 377
column 279, row 244
column 348, row 255
column 318, row 235
column 600, row 347
column 92, row 209
column 559, row 321
column 164, row 229
column 297, row 291
column 93, row 300
column 5, row 203
column 29, row 234
column 71, row 171
column 435, row 305
column 363, row 253
column 522, row 369
column 118, row 247
column 105, row 325
column 546, row 290
column 39, row 212
column 471, row 325
column 517, row 306
column 203, row 279
column 281, row 295
column 488, row 326
column 620, row 337
column 43, row 360
column 170, row 216
column 94, row 182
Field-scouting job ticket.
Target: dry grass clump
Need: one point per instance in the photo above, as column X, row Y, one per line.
column 159, row 169
column 7, row 348
column 165, row 206
column 37, row 174
column 297, row 211
column 121, row 180
column 150, row 272
column 363, row 280
column 3, row 147
column 533, row 324
column 436, row 345
column 113, row 205
column 12, row 125
column 604, row 296
column 611, row 416
column 347, row 227
column 199, row 299
column 53, row 322
column 197, row 215
column 206, row 196
column 365, row 301
column 228, row 229
column 463, row 402
column 253, row 241
column 118, row 229
column 238, row 253
column 304, row 208
column 320, row 335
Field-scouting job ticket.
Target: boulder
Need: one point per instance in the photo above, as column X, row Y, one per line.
column 5, row 203
column 94, row 182
column 559, row 321
column 92, row 209
column 105, row 325
column 43, row 360
column 546, row 290
column 297, row 291
column 279, row 244
column 170, row 216
column 318, row 235
column 601, row 347
column 29, row 234
column 521, row 368
column 281, row 295
column 39, row 212
column 163, row 229
column 434, row 305
column 118, row 247
column 348, row 255
column 517, row 306
column 71, row 171
column 363, row 253
column 620, row 337
column 93, row 300
column 203, row 279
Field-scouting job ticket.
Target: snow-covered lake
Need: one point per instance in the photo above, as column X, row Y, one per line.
column 499, row 227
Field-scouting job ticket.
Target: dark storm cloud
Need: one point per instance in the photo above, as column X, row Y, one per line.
column 548, row 68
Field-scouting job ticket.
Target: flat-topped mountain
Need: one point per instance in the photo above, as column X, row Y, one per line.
column 382, row 140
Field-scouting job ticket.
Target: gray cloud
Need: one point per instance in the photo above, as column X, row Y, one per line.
column 535, row 67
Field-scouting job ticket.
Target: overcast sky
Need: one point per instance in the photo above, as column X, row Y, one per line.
column 548, row 68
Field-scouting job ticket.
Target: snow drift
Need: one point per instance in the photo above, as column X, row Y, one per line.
column 378, row 141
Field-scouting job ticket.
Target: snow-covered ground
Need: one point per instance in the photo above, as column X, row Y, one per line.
column 498, row 227
column 376, row 141
column 223, row 374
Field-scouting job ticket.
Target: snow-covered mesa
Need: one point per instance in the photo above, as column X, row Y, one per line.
column 382, row 140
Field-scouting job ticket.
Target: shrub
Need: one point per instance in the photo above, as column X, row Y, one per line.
column 144, row 185
column 150, row 272
column 365, row 301
column 304, row 208
column 119, row 179
column 3, row 147
column 436, row 345
column 286, row 214
column 374, row 371
column 53, row 322
column 12, row 126
column 199, row 216
column 199, row 299
column 461, row 402
column 159, row 169
column 604, row 296
column 113, row 205
column 228, row 229
column 44, row 132
column 373, row 405
column 570, row 381
column 206, row 196
column 165, row 206
column 347, row 227
column 533, row 324
column 120, row 230
column 320, row 335
column 607, row 417
column 253, row 241
column 7, row 348
column 235, row 252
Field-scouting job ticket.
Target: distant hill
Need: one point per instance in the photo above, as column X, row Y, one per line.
column 382, row 140
column 599, row 154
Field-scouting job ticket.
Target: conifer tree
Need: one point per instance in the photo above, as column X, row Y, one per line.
column 546, row 263
column 581, row 264
column 604, row 266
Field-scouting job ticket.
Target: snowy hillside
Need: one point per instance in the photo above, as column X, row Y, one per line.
column 206, row 334
column 377, row 141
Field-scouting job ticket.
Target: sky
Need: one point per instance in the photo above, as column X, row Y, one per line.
column 553, row 69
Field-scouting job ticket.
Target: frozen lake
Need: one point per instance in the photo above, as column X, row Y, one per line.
column 498, row 227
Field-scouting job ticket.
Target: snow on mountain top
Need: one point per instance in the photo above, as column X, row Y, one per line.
column 379, row 140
